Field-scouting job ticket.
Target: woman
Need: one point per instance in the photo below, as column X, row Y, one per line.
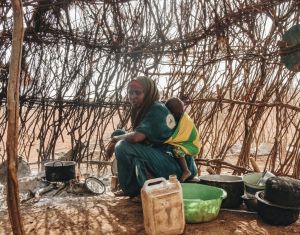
column 141, row 153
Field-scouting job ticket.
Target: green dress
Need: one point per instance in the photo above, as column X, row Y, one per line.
column 135, row 161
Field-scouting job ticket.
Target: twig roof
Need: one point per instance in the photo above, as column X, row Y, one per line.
column 79, row 55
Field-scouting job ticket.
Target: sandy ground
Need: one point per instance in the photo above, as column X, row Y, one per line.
column 106, row 214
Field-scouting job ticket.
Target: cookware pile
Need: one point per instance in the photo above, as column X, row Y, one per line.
column 64, row 171
column 279, row 203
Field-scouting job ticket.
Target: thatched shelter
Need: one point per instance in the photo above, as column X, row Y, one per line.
column 77, row 57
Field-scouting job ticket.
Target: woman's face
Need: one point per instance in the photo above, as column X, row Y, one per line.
column 136, row 96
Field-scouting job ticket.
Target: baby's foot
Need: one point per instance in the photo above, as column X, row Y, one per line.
column 185, row 175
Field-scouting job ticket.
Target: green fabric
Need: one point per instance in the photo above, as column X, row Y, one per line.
column 291, row 55
column 136, row 161
column 118, row 132
column 185, row 139
column 158, row 124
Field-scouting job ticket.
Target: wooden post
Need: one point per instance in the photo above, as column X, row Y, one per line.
column 13, row 200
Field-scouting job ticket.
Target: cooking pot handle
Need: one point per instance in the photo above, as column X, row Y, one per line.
column 224, row 194
column 56, row 162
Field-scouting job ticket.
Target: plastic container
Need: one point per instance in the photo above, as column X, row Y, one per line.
column 251, row 183
column 163, row 206
column 201, row 202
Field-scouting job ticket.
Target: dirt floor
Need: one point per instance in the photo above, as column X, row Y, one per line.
column 106, row 214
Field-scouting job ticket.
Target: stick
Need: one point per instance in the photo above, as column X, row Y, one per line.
column 210, row 170
column 254, row 165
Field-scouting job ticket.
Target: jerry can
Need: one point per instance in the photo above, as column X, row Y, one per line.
column 163, row 206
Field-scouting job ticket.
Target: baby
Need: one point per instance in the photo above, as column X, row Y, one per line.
column 185, row 139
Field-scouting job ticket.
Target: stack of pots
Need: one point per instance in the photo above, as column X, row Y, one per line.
column 254, row 182
column 279, row 202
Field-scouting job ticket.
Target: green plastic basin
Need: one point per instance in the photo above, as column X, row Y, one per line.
column 201, row 202
column 251, row 183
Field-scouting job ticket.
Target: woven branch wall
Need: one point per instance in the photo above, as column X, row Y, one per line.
column 79, row 55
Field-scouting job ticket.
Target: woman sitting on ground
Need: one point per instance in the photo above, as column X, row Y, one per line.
column 141, row 153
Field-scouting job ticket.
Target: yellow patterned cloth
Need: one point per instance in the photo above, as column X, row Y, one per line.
column 186, row 138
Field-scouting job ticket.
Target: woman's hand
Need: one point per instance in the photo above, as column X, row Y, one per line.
column 132, row 137
column 111, row 146
column 115, row 139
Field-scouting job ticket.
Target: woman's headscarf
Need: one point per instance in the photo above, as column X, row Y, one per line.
column 151, row 95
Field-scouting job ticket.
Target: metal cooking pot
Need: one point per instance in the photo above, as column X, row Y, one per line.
column 60, row 171
column 233, row 185
column 284, row 191
column 275, row 214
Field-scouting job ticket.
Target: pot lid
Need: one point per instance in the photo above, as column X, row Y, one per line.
column 95, row 185
column 260, row 197
column 58, row 163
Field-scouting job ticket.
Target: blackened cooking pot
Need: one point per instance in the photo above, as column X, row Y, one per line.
column 233, row 185
column 275, row 214
column 283, row 191
column 57, row 171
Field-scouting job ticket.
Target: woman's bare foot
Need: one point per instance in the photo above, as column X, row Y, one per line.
column 185, row 175
column 119, row 193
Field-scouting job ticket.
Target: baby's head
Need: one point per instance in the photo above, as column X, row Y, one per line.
column 176, row 106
